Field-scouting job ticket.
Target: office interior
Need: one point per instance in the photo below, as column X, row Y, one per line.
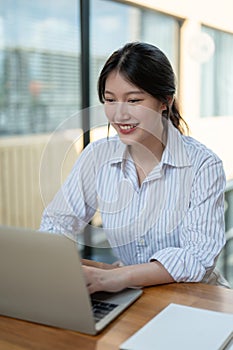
column 51, row 53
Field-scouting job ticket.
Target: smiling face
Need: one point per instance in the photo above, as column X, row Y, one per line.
column 135, row 114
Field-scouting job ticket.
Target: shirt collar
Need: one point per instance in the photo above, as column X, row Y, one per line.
column 120, row 153
column 174, row 154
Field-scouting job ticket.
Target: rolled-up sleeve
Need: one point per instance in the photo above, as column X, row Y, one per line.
column 202, row 231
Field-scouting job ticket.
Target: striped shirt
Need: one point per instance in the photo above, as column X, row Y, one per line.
column 175, row 217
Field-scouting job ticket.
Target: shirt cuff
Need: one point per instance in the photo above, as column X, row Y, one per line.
column 180, row 264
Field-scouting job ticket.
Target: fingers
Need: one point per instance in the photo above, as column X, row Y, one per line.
column 92, row 277
column 91, row 289
column 86, row 276
column 104, row 280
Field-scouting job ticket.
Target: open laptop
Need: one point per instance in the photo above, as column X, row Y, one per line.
column 41, row 281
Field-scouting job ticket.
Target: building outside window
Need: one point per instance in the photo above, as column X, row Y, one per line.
column 39, row 64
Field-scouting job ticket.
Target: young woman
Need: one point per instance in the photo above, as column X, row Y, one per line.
column 160, row 193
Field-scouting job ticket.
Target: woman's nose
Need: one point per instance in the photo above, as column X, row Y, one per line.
column 121, row 112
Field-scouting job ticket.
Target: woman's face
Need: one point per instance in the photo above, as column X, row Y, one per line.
column 135, row 114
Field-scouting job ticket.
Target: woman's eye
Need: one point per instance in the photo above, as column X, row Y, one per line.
column 109, row 100
column 134, row 100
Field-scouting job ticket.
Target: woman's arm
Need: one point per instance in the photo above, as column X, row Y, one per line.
column 114, row 280
column 75, row 203
column 201, row 233
column 99, row 265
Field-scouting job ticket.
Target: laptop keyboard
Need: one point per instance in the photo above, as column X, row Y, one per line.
column 101, row 309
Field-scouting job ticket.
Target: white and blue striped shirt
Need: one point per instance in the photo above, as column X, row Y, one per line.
column 175, row 217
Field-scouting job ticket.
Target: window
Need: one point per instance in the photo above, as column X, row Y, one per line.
column 217, row 76
column 162, row 31
column 39, row 65
column 39, row 89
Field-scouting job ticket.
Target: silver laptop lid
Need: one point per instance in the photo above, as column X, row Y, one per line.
column 42, row 281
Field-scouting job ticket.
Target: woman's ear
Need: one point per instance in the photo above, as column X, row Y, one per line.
column 163, row 106
column 168, row 104
column 170, row 100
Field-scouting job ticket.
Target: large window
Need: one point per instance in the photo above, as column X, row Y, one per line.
column 39, row 89
column 39, row 64
column 217, row 76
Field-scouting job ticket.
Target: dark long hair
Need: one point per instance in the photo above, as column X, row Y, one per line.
column 148, row 68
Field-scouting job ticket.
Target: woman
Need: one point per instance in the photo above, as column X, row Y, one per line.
column 160, row 193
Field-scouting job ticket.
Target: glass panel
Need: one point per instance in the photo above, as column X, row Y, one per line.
column 39, row 64
column 217, row 76
column 162, row 31
column 39, row 89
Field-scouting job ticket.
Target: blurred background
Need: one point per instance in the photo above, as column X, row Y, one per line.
column 51, row 53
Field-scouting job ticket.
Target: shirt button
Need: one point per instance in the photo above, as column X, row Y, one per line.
column 142, row 241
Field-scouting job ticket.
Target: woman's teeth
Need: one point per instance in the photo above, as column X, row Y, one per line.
column 127, row 127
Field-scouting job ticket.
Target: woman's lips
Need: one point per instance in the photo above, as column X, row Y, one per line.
column 127, row 128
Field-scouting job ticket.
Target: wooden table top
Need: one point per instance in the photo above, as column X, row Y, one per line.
column 22, row 335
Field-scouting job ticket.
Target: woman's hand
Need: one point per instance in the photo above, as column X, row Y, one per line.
column 110, row 280
column 116, row 279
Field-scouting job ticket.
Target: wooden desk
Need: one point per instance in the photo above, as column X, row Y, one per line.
column 21, row 335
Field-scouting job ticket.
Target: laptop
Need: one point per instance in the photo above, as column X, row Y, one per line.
column 41, row 281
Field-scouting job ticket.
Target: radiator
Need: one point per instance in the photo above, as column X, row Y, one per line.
column 32, row 168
